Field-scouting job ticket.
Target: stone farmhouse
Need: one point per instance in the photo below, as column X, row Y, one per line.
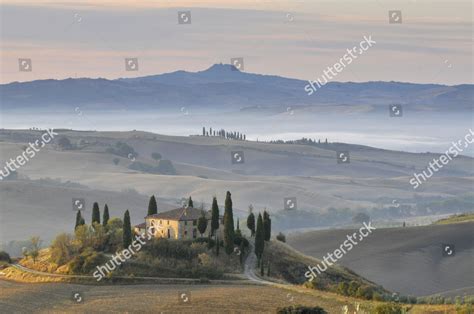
column 179, row 224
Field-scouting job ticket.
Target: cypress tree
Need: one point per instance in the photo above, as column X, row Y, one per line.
column 217, row 246
column 127, row 230
column 267, row 225
column 268, row 270
column 214, row 216
column 105, row 217
column 228, row 225
column 261, row 269
column 152, row 208
column 78, row 219
column 190, row 202
column 202, row 224
column 251, row 224
column 95, row 213
column 238, row 224
column 259, row 238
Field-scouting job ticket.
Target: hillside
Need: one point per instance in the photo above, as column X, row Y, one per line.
column 373, row 179
column 407, row 260
column 456, row 219
column 246, row 295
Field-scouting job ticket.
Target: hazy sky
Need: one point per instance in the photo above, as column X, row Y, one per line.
column 297, row 38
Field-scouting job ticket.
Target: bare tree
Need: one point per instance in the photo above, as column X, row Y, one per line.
column 35, row 247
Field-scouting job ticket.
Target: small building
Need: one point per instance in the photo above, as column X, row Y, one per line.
column 180, row 223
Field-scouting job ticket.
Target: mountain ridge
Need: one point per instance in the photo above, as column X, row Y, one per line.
column 223, row 86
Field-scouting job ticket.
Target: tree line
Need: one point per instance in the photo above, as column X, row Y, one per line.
column 230, row 135
column 302, row 141
column 96, row 221
column 261, row 231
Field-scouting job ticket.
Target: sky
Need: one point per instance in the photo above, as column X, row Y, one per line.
column 291, row 38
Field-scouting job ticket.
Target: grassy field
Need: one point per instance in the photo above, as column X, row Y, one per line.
column 57, row 297
column 26, row 292
column 406, row 260
column 455, row 219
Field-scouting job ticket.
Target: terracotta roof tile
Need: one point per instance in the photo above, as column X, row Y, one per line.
column 181, row 214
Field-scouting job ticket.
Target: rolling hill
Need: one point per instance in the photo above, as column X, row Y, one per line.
column 407, row 260
column 271, row 172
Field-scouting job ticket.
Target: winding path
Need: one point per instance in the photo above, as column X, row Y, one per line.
column 163, row 280
column 249, row 267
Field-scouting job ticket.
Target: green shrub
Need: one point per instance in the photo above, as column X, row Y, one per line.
column 64, row 143
column 210, row 242
column 5, row 257
column 342, row 288
column 281, row 237
column 365, row 292
column 62, row 249
column 353, row 286
column 85, row 262
column 238, row 239
column 316, row 284
column 92, row 260
column 390, row 308
column 377, row 297
column 171, row 249
column 165, row 166
column 156, row 156
column 122, row 149
column 300, row 309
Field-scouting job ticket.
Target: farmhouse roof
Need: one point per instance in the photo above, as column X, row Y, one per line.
column 181, row 214
column 141, row 226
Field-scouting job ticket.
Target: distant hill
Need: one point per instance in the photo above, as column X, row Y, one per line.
column 223, row 87
column 371, row 182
